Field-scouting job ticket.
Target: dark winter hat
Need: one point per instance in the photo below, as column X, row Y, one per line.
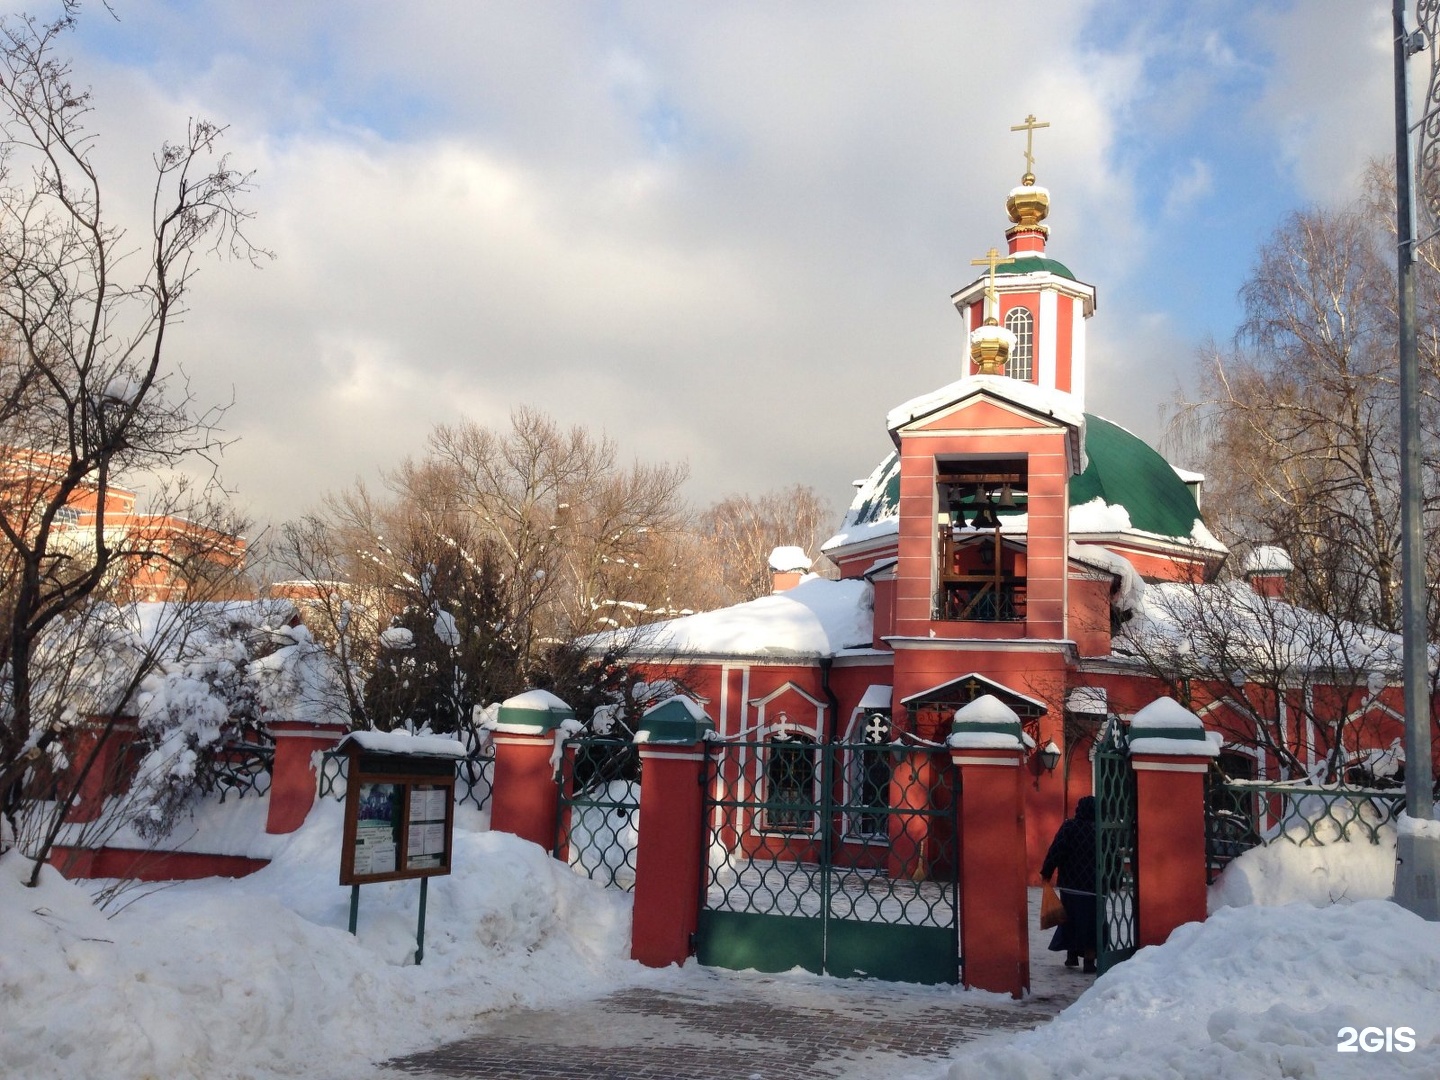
column 1085, row 808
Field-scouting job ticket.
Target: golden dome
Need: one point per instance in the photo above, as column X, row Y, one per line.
column 990, row 346
column 1029, row 204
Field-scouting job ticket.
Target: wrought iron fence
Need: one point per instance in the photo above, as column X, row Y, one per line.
column 1244, row 814
column 598, row 826
column 474, row 777
column 333, row 768
column 1116, row 855
column 240, row 769
column 838, row 858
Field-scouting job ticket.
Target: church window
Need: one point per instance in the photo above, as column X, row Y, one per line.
column 1022, row 359
column 792, row 774
column 868, row 777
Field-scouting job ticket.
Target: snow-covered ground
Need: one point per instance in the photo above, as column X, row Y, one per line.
column 1300, row 955
column 259, row 977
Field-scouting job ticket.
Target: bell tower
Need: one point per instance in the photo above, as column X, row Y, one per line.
column 1032, row 296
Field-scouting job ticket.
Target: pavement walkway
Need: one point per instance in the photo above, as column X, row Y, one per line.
column 708, row 1024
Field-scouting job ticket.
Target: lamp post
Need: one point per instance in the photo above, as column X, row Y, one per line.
column 1417, row 854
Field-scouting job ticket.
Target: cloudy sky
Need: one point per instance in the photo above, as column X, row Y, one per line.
column 725, row 233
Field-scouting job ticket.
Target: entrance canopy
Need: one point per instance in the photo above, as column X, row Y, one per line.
column 958, row 693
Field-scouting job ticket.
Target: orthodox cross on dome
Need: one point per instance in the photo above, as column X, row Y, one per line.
column 992, row 259
column 1029, row 127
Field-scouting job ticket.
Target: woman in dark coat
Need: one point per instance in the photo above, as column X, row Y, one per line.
column 1072, row 853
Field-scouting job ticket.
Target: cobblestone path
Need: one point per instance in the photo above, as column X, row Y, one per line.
column 718, row 1026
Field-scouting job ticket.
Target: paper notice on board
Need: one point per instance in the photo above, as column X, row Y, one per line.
column 427, row 838
column 428, row 803
column 374, row 856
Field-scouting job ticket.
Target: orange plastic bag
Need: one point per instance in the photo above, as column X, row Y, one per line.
column 1052, row 911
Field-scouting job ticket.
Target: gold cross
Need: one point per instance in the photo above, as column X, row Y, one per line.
column 992, row 259
column 1029, row 127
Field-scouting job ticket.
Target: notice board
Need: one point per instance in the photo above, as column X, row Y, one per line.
column 399, row 817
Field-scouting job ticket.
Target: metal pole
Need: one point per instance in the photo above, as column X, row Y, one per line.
column 420, row 929
column 354, row 907
column 1417, row 855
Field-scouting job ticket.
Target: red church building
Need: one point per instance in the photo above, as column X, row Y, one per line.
column 1000, row 550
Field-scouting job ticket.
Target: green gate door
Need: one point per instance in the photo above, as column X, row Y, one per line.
column 598, row 821
column 1115, row 878
column 839, row 859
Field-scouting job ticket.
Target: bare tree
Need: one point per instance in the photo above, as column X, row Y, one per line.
column 85, row 394
column 582, row 544
column 485, row 565
column 1299, row 685
column 1298, row 422
column 741, row 531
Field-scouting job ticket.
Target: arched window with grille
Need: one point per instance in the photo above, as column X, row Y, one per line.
column 867, row 776
column 1021, row 323
column 791, row 776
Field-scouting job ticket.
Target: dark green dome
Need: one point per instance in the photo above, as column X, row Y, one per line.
column 1122, row 470
column 1125, row 471
column 1030, row 264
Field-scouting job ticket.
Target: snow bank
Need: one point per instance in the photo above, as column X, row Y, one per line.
column 1253, row 992
column 1282, row 872
column 258, row 978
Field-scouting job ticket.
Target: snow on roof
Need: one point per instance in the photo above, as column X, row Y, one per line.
column 1165, row 713
column 402, row 742
column 818, row 617
column 1089, row 700
column 1098, row 516
column 861, row 533
column 1038, row 399
column 876, row 696
column 1132, row 586
column 1268, row 559
column 788, row 559
column 692, row 707
column 986, row 709
column 538, row 700
column 1192, row 623
column 154, row 623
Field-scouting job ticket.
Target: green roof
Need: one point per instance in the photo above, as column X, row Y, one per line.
column 1123, row 470
column 1032, row 264
column 879, row 495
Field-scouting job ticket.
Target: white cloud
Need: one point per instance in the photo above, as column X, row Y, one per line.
column 725, row 233
column 1195, row 181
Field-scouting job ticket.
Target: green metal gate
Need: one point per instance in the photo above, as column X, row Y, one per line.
column 1115, row 875
column 598, row 824
column 840, row 859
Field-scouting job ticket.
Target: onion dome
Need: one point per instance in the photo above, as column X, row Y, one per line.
column 1028, row 204
column 990, row 347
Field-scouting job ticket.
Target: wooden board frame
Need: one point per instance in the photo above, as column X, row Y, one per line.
column 406, row 775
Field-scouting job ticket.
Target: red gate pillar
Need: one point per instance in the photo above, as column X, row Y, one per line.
column 987, row 748
column 293, row 780
column 524, row 796
column 670, row 860
column 1170, row 754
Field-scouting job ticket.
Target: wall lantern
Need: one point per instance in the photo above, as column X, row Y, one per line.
column 1050, row 756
